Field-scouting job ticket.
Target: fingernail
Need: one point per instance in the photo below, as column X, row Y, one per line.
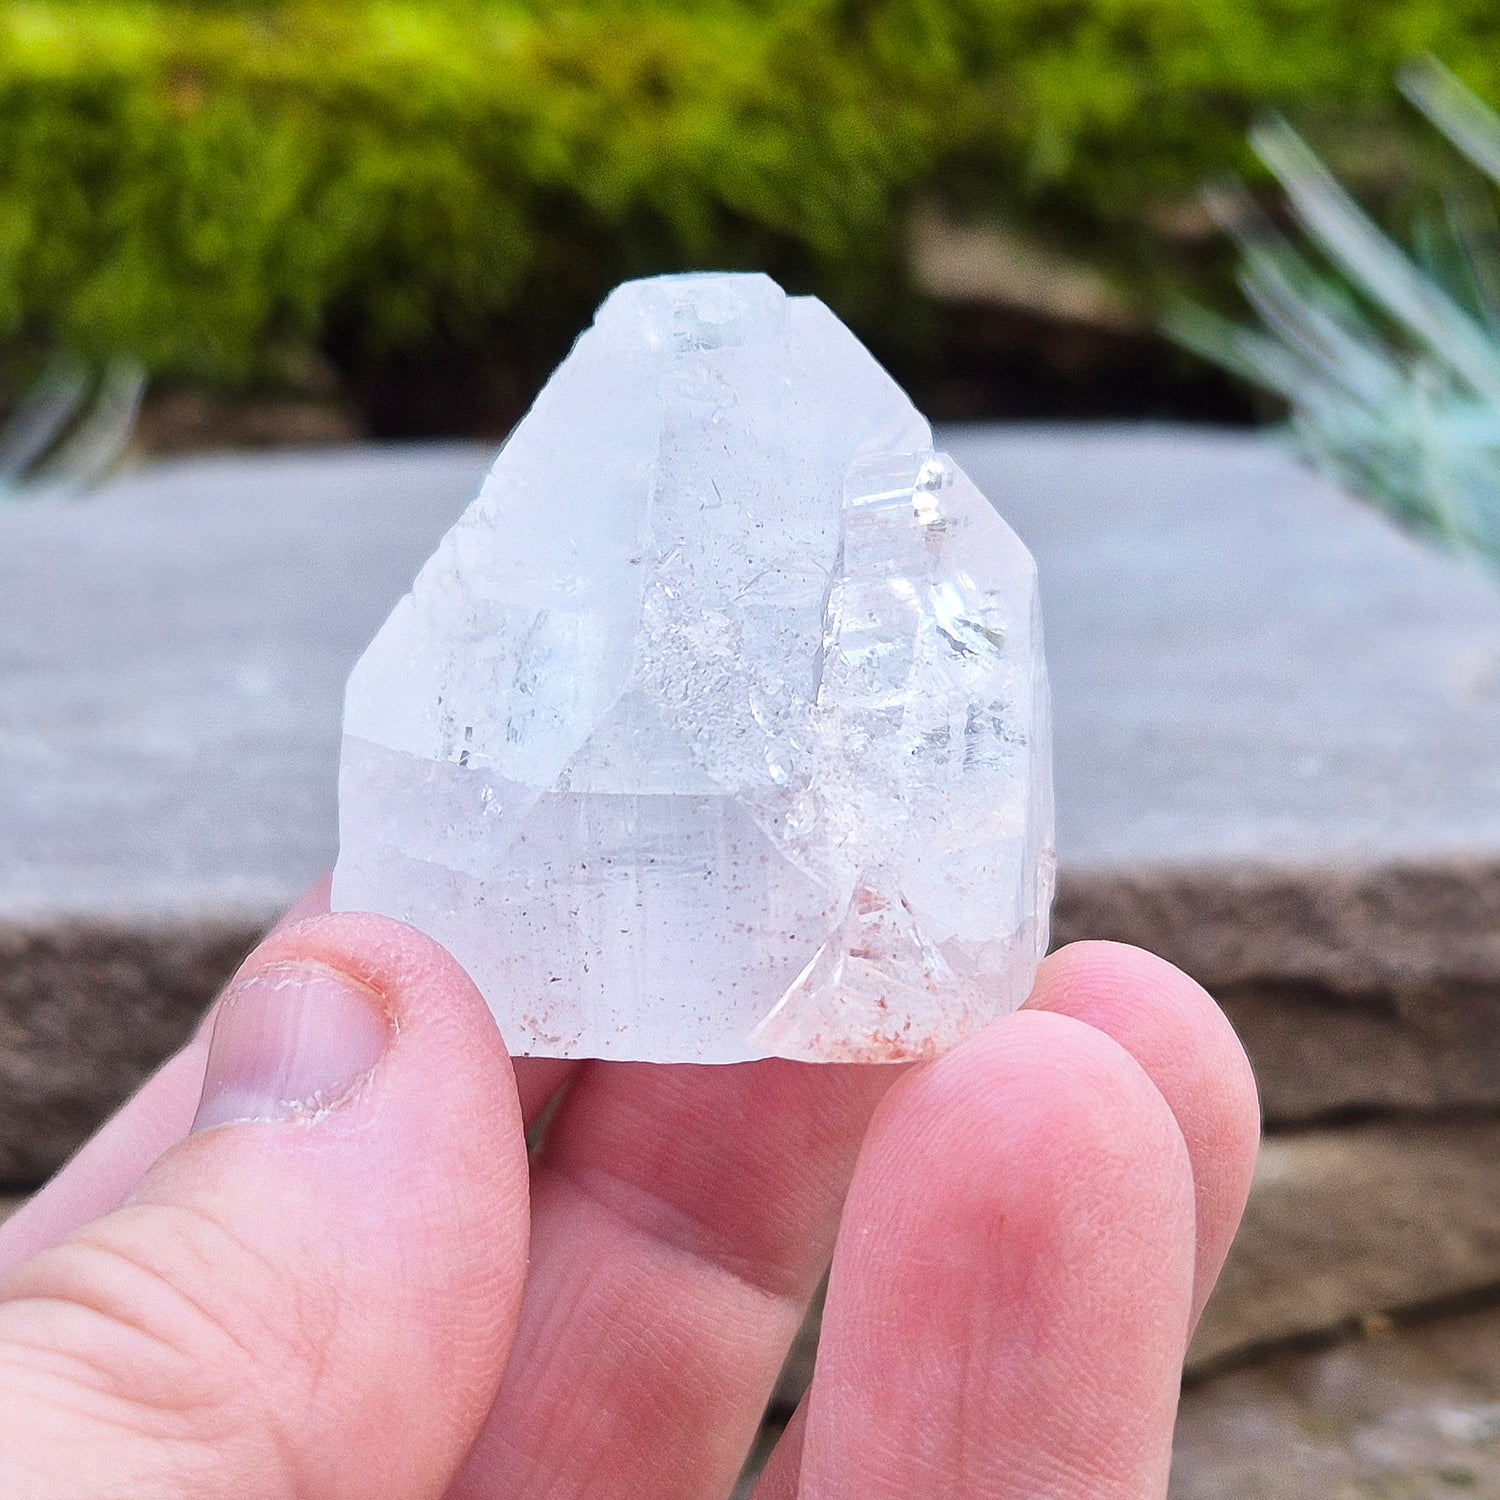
column 289, row 1043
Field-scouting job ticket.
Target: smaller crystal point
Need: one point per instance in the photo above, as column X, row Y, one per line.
column 877, row 989
column 717, row 727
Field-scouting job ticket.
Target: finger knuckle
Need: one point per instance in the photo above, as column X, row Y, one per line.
column 164, row 1322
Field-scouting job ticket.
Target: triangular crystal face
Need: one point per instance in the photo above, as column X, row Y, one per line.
column 717, row 726
column 877, row 990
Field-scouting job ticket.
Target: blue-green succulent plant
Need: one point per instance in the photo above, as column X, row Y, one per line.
column 1388, row 356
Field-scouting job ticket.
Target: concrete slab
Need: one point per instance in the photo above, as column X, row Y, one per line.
column 1411, row 1414
column 1355, row 1222
column 1277, row 727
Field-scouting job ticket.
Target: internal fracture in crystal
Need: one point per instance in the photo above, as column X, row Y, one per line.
column 717, row 727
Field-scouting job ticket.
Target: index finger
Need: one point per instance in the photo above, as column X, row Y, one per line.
column 1010, row 1295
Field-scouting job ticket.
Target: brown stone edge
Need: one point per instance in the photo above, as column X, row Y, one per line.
column 87, row 1010
column 1374, row 1325
column 1355, row 990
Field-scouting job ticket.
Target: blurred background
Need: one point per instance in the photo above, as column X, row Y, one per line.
column 1204, row 293
column 389, row 218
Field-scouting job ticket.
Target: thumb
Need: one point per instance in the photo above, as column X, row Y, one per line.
column 315, row 1293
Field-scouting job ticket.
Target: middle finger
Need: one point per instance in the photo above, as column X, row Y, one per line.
column 681, row 1217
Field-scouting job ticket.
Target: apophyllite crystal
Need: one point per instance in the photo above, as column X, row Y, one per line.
column 717, row 727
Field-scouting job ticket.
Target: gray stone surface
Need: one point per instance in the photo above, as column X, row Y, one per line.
column 174, row 651
column 172, row 654
column 1412, row 1415
column 1346, row 1223
column 1279, row 756
column 1277, row 724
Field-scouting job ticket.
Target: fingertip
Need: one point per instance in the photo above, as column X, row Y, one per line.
column 1018, row 1248
column 1165, row 1019
column 1184, row 1042
column 1161, row 1015
column 423, row 984
column 391, row 956
column 1047, row 1094
column 1018, row 1128
column 377, row 950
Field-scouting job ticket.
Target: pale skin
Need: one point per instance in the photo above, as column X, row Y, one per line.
column 384, row 1298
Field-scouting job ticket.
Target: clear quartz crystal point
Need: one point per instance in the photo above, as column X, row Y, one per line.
column 717, row 727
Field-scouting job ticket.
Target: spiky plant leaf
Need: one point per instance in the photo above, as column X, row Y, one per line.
column 1389, row 359
column 68, row 431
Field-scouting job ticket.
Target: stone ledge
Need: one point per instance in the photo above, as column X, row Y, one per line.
column 1354, row 1017
column 1411, row 1414
column 1363, row 1220
column 1352, row 988
column 87, row 1011
column 1276, row 721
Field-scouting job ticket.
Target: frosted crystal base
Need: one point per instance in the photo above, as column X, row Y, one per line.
column 717, row 727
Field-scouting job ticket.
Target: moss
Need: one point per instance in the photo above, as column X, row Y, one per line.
column 232, row 191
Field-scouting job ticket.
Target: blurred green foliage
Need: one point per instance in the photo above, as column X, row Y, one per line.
column 232, row 190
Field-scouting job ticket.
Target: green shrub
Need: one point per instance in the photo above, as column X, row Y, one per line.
column 217, row 189
column 232, row 191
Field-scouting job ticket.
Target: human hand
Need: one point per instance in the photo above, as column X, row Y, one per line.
column 335, row 1299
